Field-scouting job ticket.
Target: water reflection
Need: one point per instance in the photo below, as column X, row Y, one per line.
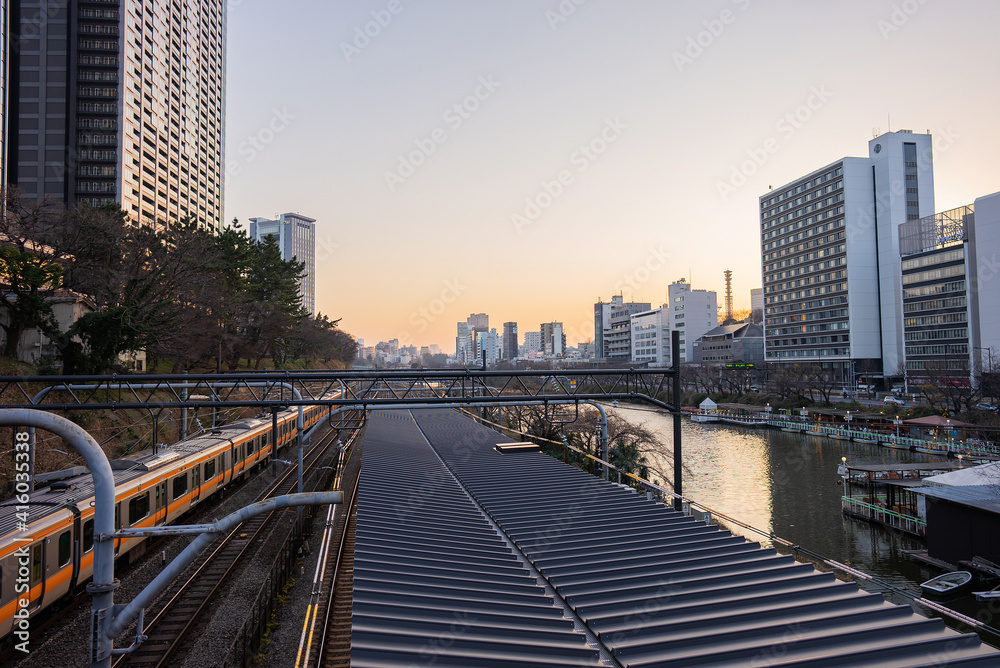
column 787, row 484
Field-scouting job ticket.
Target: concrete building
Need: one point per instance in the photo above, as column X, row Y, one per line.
column 553, row 339
column 650, row 337
column 532, row 343
column 296, row 239
column 948, row 263
column 693, row 313
column 462, row 349
column 510, row 344
column 611, row 327
column 834, row 233
column 985, row 288
column 4, row 92
column 729, row 344
column 757, row 300
column 488, row 343
column 121, row 102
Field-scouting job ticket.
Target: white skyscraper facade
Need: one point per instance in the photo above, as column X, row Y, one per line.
column 296, row 238
column 831, row 262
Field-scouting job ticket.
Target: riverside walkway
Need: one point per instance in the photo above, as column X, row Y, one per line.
column 466, row 556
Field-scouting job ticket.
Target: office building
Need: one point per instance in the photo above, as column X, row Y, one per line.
column 462, row 348
column 296, row 239
column 488, row 347
column 553, row 339
column 510, row 349
column 693, row 313
column 4, row 92
column 757, row 300
column 612, row 329
column 949, row 297
column 532, row 344
column 650, row 337
column 730, row 344
column 834, row 233
column 121, row 102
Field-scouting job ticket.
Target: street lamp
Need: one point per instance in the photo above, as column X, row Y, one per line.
column 848, row 419
column 896, row 422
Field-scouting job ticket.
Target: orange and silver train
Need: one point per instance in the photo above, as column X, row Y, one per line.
column 51, row 555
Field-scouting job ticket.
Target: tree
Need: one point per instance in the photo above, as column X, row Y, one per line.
column 30, row 256
column 152, row 286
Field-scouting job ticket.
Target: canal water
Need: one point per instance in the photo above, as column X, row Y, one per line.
column 787, row 484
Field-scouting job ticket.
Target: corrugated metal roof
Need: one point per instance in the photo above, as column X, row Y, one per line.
column 656, row 586
column 434, row 582
column 981, row 497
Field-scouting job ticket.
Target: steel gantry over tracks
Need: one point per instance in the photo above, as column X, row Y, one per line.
column 365, row 390
column 355, row 389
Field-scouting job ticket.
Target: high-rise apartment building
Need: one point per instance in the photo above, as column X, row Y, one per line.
column 296, row 239
column 830, row 256
column 510, row 349
column 121, row 101
column 757, row 300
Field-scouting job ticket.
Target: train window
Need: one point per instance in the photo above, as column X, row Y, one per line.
column 159, row 500
column 88, row 535
column 36, row 564
column 118, row 516
column 250, row 447
column 64, row 548
column 209, row 469
column 196, row 476
column 180, row 485
column 138, row 508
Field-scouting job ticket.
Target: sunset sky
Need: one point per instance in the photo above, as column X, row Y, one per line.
column 523, row 158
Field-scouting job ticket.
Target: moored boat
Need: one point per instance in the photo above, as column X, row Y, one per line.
column 988, row 595
column 704, row 417
column 949, row 583
column 870, row 441
column 896, row 445
column 941, row 452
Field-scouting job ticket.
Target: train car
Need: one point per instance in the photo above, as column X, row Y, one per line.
column 47, row 544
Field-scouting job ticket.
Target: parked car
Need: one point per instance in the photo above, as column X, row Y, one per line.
column 986, row 406
column 890, row 400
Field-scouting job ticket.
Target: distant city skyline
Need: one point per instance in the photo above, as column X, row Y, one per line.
column 523, row 161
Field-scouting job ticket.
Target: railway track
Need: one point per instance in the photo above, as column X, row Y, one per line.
column 169, row 630
column 326, row 631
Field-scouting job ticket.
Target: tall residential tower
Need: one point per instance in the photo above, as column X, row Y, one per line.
column 120, row 101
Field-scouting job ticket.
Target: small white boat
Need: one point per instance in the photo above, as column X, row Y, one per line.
column 949, row 583
column 988, row 595
column 704, row 417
